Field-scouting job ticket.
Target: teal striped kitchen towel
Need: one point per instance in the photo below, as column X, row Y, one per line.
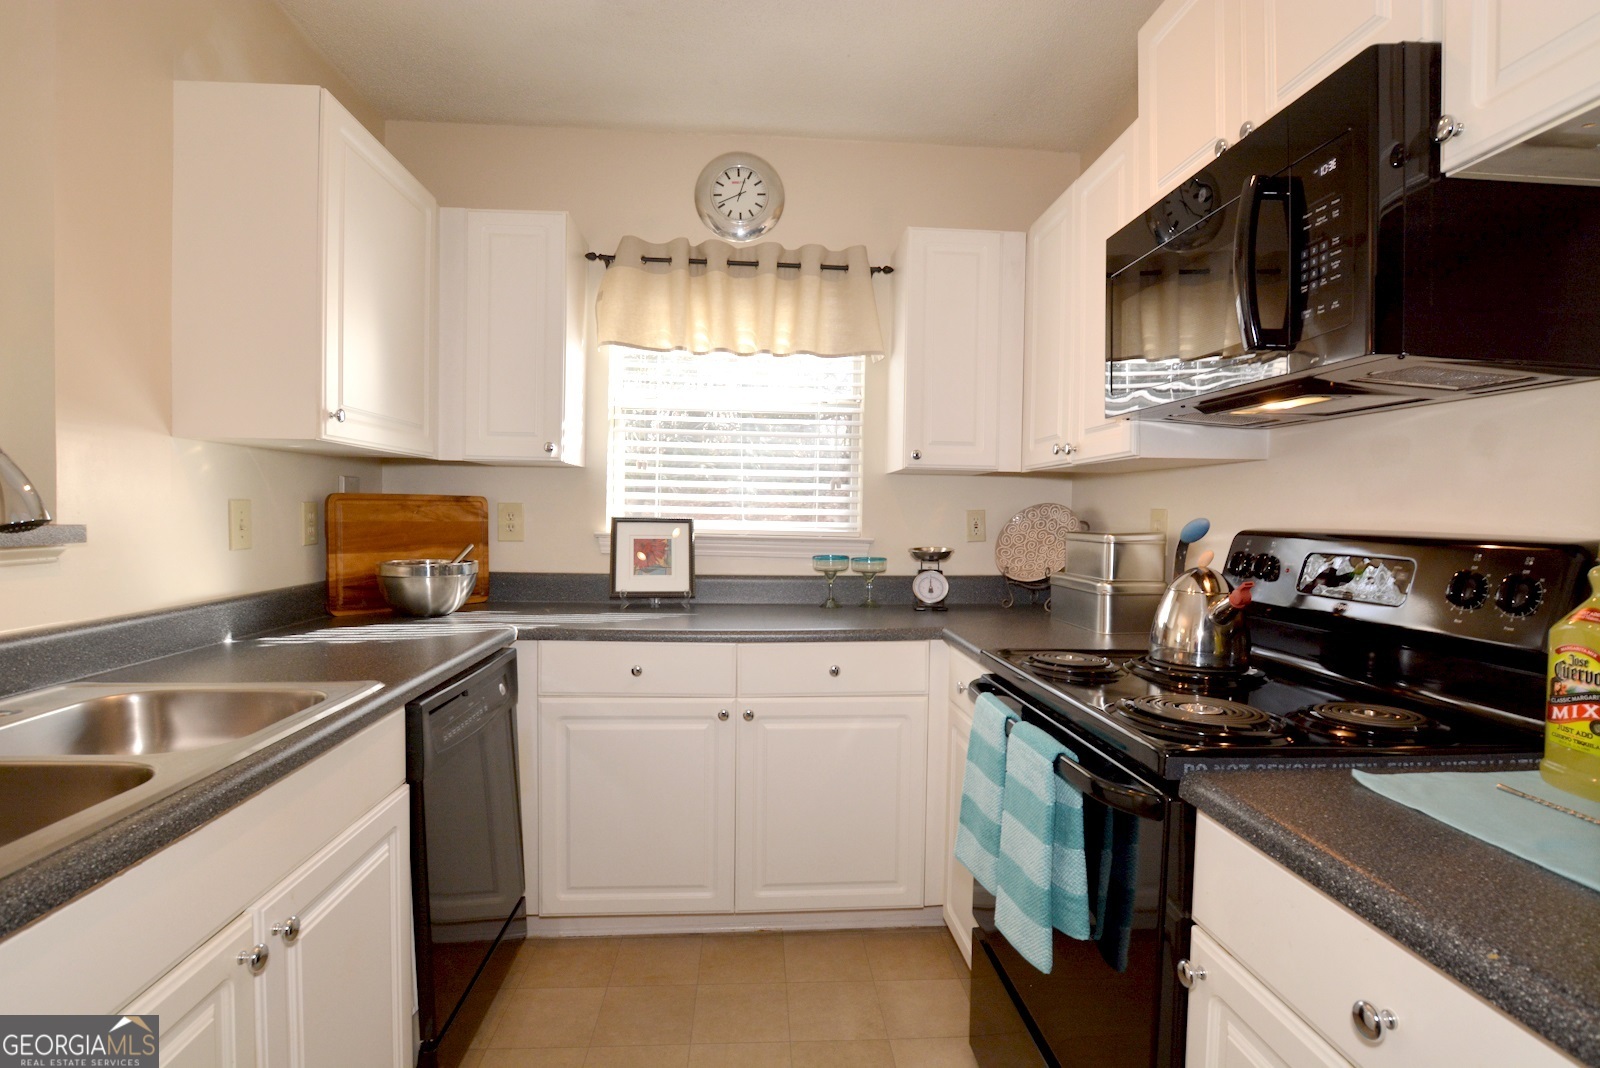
column 1044, row 880
column 978, row 829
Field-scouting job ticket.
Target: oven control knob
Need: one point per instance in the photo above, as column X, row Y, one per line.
column 1239, row 563
column 1519, row 595
column 1266, row 568
column 1467, row 589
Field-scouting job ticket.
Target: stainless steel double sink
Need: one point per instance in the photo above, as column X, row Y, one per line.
column 76, row 757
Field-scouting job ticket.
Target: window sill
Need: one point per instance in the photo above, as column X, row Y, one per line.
column 766, row 546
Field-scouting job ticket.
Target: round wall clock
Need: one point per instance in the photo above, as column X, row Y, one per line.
column 739, row 196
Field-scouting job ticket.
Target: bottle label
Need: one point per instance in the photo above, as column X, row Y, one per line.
column 1573, row 713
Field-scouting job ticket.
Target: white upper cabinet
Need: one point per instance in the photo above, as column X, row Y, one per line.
column 1210, row 70
column 1047, row 387
column 955, row 372
column 1515, row 68
column 511, row 337
column 303, row 275
column 1300, row 43
column 1190, row 88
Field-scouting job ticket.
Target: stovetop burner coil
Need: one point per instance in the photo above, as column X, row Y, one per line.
column 1210, row 681
column 1364, row 721
column 1199, row 717
column 1071, row 667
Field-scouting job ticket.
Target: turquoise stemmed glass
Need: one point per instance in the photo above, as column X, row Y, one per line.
column 830, row 565
column 870, row 567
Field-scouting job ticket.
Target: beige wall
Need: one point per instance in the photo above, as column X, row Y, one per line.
column 1519, row 465
column 839, row 193
column 155, row 506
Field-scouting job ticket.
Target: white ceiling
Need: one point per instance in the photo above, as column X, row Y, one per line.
column 996, row 73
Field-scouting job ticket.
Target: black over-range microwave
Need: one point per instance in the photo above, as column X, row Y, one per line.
column 1323, row 266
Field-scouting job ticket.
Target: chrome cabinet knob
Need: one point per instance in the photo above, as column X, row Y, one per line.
column 1068, row 449
column 1246, row 130
column 338, row 415
column 1447, row 127
column 722, row 714
column 636, row 671
column 1189, row 974
column 834, row 671
column 254, row 958
column 749, row 715
column 916, row 454
column 550, row 447
column 1219, row 146
column 1055, row 449
column 289, row 929
column 961, row 687
column 1372, row 1021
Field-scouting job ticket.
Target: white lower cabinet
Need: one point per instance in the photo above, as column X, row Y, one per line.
column 317, row 972
column 1236, row 1022
column 831, row 803
column 957, row 879
column 1294, row 966
column 207, row 1004
column 800, row 786
column 636, row 805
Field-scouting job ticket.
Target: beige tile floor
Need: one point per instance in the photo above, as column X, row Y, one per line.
column 840, row 999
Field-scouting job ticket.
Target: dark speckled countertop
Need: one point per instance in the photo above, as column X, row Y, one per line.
column 1524, row 938
column 408, row 662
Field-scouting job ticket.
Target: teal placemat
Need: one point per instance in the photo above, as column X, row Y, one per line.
column 1470, row 802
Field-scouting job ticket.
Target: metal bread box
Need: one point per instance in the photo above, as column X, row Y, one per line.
column 1116, row 557
column 1104, row 607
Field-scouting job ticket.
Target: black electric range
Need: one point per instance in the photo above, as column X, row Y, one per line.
column 1365, row 649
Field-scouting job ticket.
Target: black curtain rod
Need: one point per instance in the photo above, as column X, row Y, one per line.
column 606, row 259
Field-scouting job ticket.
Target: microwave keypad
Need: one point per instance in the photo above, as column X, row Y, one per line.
column 1326, row 284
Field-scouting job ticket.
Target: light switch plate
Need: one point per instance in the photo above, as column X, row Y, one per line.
column 239, row 527
column 508, row 521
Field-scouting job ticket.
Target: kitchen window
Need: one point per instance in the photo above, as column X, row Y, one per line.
column 746, row 444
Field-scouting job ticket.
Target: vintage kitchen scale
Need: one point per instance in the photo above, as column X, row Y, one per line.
column 929, row 586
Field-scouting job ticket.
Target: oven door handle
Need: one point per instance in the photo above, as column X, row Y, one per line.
column 1145, row 804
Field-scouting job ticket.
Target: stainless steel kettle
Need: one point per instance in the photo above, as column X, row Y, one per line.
column 1200, row 622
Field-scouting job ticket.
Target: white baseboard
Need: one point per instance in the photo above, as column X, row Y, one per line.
column 721, row 923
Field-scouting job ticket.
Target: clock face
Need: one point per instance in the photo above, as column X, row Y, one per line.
column 739, row 196
column 739, row 193
column 930, row 587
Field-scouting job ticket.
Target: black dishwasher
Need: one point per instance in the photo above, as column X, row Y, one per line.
column 466, row 850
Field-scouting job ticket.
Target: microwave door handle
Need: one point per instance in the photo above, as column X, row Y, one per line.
column 1246, row 235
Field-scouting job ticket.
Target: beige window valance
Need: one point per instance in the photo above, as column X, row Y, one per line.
column 713, row 307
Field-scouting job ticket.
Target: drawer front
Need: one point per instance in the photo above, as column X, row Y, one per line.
column 803, row 669
column 1321, row 958
column 637, row 669
column 963, row 670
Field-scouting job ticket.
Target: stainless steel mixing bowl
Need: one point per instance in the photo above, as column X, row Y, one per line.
column 427, row 587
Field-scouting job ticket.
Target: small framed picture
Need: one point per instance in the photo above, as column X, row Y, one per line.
column 652, row 557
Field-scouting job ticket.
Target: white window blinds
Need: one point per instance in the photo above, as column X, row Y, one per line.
column 757, row 444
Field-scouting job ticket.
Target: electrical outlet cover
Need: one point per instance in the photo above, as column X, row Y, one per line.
column 508, row 521
column 239, row 525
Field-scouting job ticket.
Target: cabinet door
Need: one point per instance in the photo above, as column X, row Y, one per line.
column 1191, row 67
column 957, row 879
column 832, row 804
column 1048, row 381
column 955, row 374
column 338, row 986
column 635, row 805
column 1236, row 1022
column 380, row 242
column 1513, row 68
column 1105, row 199
column 1300, row 43
column 512, row 349
column 207, row 1004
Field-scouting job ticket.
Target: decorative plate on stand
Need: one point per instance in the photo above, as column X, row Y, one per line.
column 1032, row 545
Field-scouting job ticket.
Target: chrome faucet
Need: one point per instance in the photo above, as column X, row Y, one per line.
column 20, row 506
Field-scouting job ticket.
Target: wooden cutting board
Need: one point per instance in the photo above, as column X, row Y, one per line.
column 365, row 529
